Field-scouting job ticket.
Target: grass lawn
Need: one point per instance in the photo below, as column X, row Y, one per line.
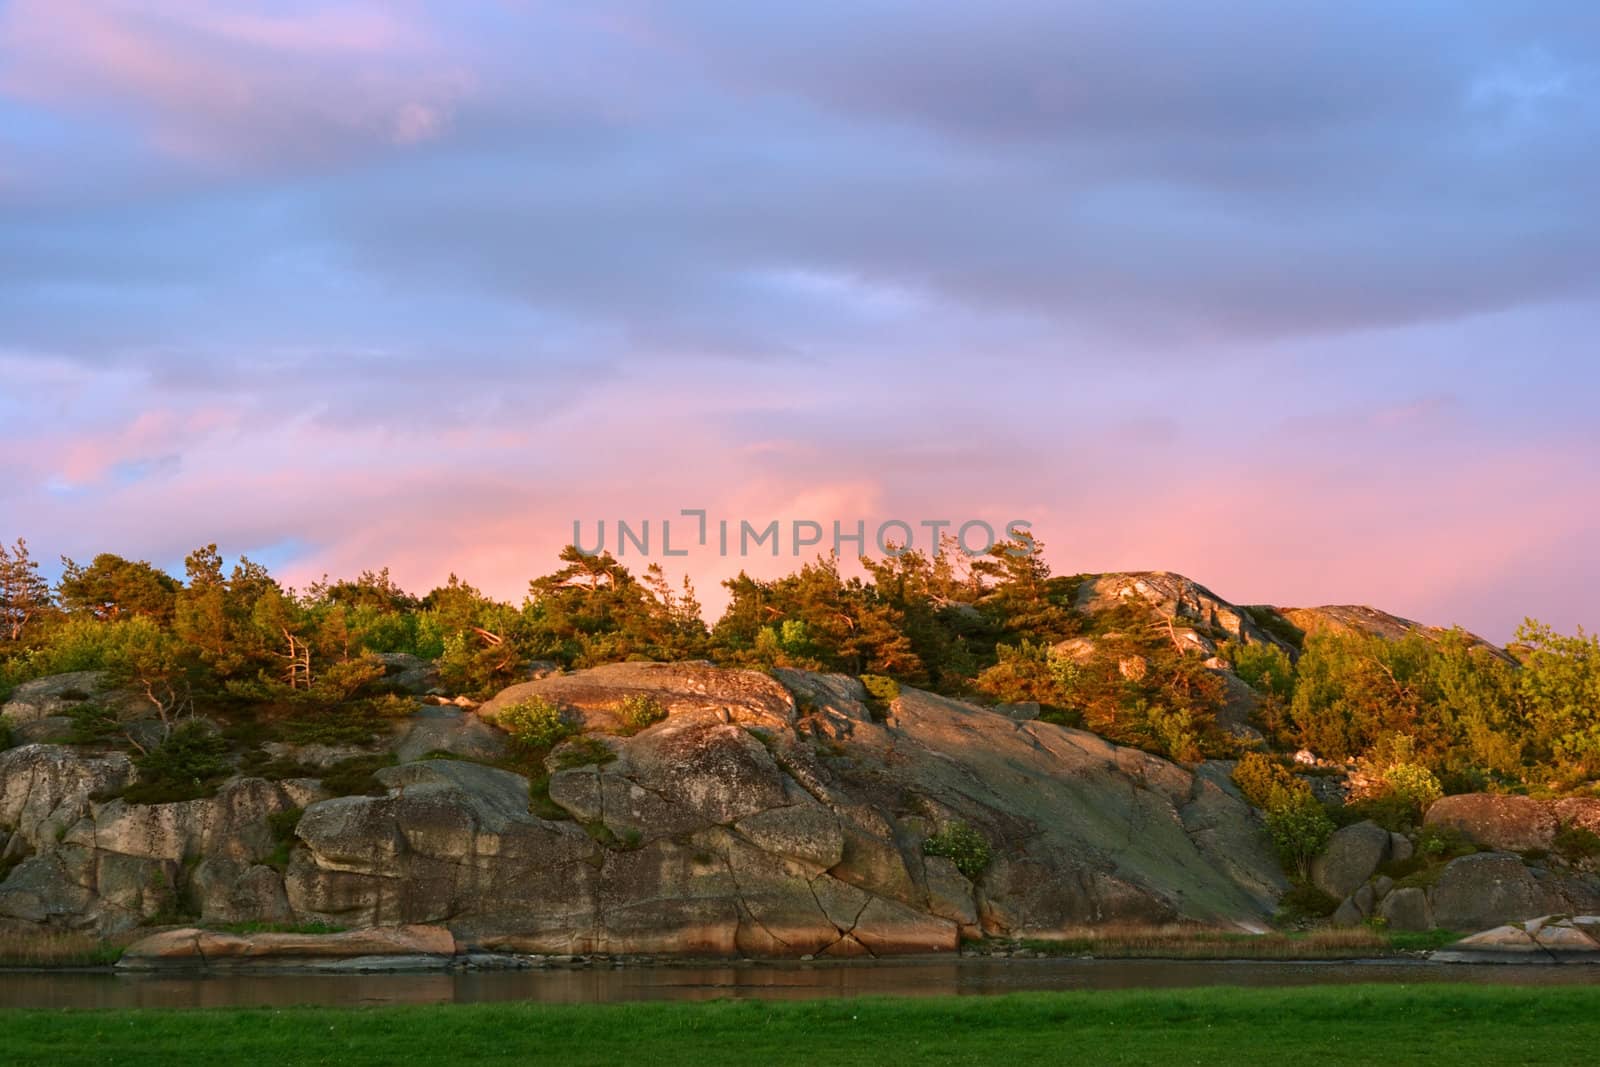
column 1392, row 1025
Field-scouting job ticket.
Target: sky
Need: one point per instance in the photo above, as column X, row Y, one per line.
column 1298, row 300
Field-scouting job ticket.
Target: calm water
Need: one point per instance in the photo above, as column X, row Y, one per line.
column 766, row 981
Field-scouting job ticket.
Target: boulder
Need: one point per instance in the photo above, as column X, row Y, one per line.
column 1505, row 823
column 1352, row 856
column 1580, row 812
column 453, row 731
column 1171, row 596
column 44, row 789
column 46, row 697
column 1490, row 889
column 214, row 948
column 1548, row 939
column 1407, row 909
column 232, row 824
column 747, row 697
column 406, row 673
column 229, row 891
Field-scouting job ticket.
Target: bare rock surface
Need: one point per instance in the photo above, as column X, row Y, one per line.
column 763, row 815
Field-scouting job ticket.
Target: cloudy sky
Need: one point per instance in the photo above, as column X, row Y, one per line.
column 1299, row 300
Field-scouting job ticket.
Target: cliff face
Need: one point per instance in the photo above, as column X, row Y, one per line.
column 765, row 815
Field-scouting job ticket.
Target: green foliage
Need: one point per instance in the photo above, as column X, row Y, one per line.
column 189, row 764
column 583, row 752
column 1300, row 827
column 92, row 724
column 283, row 825
column 1400, row 789
column 1297, row 822
column 1305, row 901
column 817, row 620
column 1260, row 778
column 1577, row 843
column 535, row 724
column 357, row 776
column 963, row 845
column 880, row 689
column 1274, row 623
column 1444, row 842
column 7, row 733
column 1265, row 668
column 339, row 724
column 639, row 711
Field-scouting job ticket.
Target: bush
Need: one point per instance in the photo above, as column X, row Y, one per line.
column 1264, row 668
column 1300, row 827
column 283, row 825
column 91, row 724
column 1297, row 821
column 1306, row 901
column 1576, row 843
column 881, row 692
column 639, row 712
column 583, row 752
column 340, row 724
column 881, row 688
column 357, row 777
column 963, row 845
column 535, row 725
column 1257, row 776
column 189, row 764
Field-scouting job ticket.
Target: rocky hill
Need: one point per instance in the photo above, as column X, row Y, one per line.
column 771, row 815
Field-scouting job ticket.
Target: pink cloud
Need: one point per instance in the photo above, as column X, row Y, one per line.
column 228, row 83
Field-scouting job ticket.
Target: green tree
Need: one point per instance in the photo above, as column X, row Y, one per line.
column 113, row 588
column 24, row 594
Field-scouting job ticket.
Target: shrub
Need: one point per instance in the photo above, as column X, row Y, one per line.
column 357, row 777
column 881, row 692
column 583, row 752
column 339, row 724
column 1306, row 901
column 1297, row 821
column 1413, row 784
column 282, row 824
column 1444, row 842
column 881, row 688
column 1264, row 668
column 1299, row 826
column 1257, row 776
column 963, row 845
column 1576, row 843
column 91, row 724
column 639, row 712
column 189, row 764
column 535, row 724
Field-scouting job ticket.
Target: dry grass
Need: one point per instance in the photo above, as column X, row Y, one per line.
column 24, row 947
column 1128, row 941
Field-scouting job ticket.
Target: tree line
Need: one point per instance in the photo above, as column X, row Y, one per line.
column 999, row 628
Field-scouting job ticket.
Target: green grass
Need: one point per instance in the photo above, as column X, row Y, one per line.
column 1393, row 1025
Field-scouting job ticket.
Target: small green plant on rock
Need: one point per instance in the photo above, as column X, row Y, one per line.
column 283, row 825
column 639, row 711
column 963, row 845
column 583, row 752
column 881, row 692
column 535, row 724
column 1577, row 843
column 189, row 764
column 1297, row 821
